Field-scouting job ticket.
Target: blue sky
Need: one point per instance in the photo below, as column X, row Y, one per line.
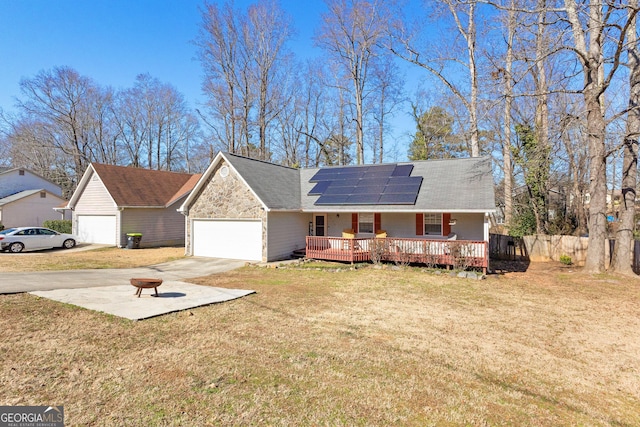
column 112, row 41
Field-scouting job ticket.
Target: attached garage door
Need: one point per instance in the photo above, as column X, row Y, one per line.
column 97, row 229
column 228, row 239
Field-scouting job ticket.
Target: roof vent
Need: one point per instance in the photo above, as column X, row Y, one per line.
column 224, row 171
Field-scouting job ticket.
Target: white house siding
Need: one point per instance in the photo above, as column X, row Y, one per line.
column 159, row 227
column 95, row 200
column 286, row 232
column 31, row 211
column 11, row 182
column 226, row 198
column 469, row 226
column 336, row 223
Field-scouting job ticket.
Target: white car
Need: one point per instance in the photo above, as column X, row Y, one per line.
column 18, row 239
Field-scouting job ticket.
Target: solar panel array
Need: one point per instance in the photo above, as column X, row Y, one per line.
column 366, row 185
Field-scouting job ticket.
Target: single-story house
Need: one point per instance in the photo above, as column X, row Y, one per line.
column 254, row 210
column 29, row 208
column 112, row 201
column 27, row 199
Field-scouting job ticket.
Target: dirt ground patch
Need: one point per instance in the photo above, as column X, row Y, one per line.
column 97, row 258
column 545, row 347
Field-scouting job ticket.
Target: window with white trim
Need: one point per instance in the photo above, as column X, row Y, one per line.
column 365, row 223
column 433, row 224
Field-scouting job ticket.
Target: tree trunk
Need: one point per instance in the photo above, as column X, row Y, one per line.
column 595, row 261
column 473, row 75
column 542, row 123
column 508, row 95
column 623, row 251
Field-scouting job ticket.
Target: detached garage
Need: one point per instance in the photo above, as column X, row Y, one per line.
column 111, row 201
column 235, row 239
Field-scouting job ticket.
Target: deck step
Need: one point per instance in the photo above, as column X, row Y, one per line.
column 299, row 253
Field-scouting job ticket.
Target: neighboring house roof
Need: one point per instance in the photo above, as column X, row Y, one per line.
column 453, row 185
column 23, row 194
column 137, row 187
column 185, row 189
column 10, row 185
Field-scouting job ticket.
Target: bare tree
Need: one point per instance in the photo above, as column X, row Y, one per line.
column 350, row 33
column 621, row 262
column 267, row 32
column 388, row 90
column 404, row 44
column 59, row 99
column 223, row 63
column 508, row 100
column 594, row 35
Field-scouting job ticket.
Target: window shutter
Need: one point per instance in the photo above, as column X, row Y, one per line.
column 446, row 228
column 354, row 222
column 419, row 224
column 376, row 223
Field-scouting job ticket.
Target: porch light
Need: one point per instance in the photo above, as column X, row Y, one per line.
column 453, row 221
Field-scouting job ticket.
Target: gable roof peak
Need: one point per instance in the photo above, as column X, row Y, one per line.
column 138, row 187
column 226, row 153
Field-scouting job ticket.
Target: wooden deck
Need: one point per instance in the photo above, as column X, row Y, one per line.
column 455, row 253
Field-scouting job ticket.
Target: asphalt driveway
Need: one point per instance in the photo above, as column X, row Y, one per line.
column 75, row 279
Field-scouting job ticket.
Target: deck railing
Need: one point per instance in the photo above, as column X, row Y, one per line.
column 456, row 253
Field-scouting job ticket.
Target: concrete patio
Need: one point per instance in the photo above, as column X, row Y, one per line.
column 121, row 301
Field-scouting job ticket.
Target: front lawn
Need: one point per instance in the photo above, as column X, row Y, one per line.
column 353, row 347
column 59, row 259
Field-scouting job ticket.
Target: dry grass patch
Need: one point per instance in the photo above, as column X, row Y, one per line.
column 90, row 259
column 365, row 347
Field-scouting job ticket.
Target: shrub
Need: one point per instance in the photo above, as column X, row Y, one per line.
column 59, row 225
column 565, row 259
column 1, row 227
column 377, row 250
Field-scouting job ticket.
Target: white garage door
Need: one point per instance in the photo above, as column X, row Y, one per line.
column 228, row 239
column 97, row 229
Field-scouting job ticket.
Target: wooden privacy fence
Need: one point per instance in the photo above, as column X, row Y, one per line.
column 545, row 248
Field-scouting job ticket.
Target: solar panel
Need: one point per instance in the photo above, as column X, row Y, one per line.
column 398, row 199
column 404, row 180
column 350, row 175
column 338, row 189
column 387, row 167
column 366, row 185
column 331, row 200
column 368, row 189
column 404, row 189
column 402, row 170
column 363, row 199
column 381, row 181
column 326, row 173
column 319, row 188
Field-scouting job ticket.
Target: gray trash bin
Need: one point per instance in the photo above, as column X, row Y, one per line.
column 133, row 240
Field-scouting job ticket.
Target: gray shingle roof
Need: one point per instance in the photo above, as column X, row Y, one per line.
column 277, row 186
column 453, row 185
column 463, row 185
